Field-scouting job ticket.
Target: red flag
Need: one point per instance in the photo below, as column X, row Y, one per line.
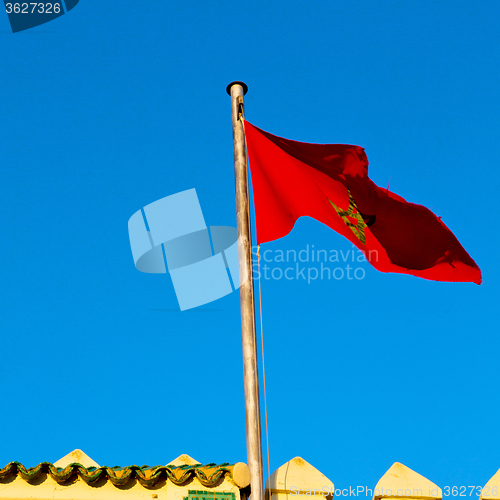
column 330, row 183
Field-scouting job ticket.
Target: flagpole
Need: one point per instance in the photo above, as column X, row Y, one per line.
column 250, row 368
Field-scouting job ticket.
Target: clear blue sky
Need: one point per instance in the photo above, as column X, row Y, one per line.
column 118, row 104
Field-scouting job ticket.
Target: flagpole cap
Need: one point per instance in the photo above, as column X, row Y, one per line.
column 244, row 85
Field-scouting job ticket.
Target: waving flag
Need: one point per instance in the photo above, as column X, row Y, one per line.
column 330, row 183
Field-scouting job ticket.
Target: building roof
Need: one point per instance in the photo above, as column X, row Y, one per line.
column 298, row 477
column 400, row 481
column 491, row 490
column 178, row 472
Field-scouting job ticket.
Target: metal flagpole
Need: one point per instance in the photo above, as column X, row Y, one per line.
column 250, row 369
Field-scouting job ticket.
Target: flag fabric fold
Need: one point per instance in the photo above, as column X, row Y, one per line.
column 330, row 183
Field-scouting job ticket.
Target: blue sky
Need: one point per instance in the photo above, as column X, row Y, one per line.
column 116, row 105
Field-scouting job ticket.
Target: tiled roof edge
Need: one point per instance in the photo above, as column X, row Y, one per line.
column 208, row 475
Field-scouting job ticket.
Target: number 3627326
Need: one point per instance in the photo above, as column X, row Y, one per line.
column 32, row 8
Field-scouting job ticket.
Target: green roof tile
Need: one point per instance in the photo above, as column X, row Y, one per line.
column 208, row 475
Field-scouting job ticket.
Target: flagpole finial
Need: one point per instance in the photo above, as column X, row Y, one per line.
column 244, row 85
